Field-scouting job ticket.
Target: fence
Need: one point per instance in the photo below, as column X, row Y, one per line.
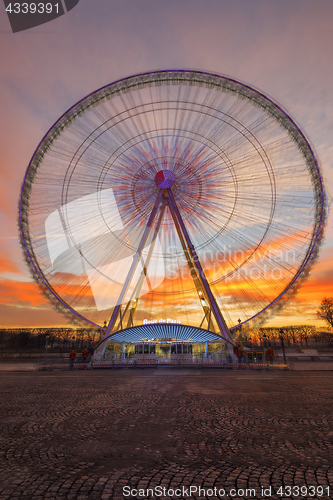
column 157, row 363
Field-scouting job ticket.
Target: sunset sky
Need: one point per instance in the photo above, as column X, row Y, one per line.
column 281, row 47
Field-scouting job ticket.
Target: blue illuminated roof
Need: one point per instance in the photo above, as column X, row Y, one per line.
column 163, row 331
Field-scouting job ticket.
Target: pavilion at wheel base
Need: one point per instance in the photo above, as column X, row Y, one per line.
column 161, row 341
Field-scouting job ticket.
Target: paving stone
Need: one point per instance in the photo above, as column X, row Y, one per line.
column 86, row 435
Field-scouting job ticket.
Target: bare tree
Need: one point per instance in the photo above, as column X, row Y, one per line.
column 92, row 335
column 66, row 336
column 272, row 334
column 291, row 333
column 306, row 332
column 325, row 310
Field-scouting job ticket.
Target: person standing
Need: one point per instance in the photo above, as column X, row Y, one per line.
column 85, row 354
column 239, row 354
column 91, row 352
column 270, row 354
column 72, row 357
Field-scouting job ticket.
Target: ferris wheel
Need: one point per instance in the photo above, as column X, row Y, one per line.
column 172, row 196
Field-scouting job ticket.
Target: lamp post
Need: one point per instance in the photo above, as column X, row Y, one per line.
column 282, row 344
column 101, row 333
column 46, row 343
column 240, row 338
column 265, row 339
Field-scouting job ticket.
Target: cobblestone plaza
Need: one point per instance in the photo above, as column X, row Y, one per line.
column 118, row 433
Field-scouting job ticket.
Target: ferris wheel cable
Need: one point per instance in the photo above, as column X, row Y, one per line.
column 184, row 119
column 217, row 314
column 248, row 295
column 138, row 287
column 134, row 264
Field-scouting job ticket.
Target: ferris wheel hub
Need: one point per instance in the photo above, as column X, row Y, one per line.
column 165, row 179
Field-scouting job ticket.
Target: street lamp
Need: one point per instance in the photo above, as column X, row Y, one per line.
column 239, row 328
column 282, row 344
column 46, row 343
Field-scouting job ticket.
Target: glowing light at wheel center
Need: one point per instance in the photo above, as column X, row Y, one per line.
column 165, row 179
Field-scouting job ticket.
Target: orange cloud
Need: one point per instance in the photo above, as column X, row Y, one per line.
column 277, row 37
column 8, row 266
column 21, row 292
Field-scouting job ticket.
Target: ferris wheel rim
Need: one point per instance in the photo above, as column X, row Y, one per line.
column 290, row 125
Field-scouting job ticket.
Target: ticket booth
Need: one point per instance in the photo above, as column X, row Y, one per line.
column 145, row 350
column 255, row 356
column 181, row 350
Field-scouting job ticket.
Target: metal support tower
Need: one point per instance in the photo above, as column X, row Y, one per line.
column 165, row 180
column 136, row 292
column 136, row 258
column 224, row 330
column 194, row 274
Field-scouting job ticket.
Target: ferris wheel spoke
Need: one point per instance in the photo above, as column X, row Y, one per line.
column 247, row 187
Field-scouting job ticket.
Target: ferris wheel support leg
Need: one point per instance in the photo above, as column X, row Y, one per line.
column 137, row 290
column 224, row 330
column 133, row 267
column 194, row 274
